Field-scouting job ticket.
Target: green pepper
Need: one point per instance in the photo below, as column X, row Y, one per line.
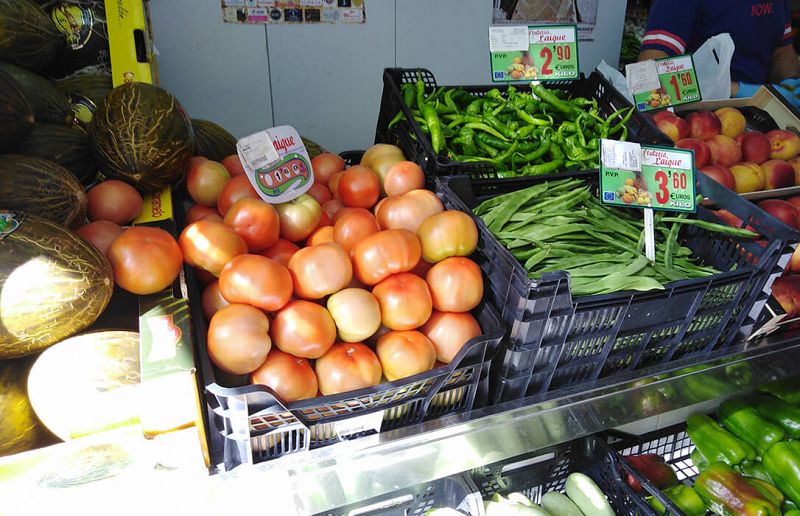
column 497, row 143
column 792, row 512
column 787, row 389
column 699, row 460
column 449, row 102
column 419, row 89
column 475, row 107
column 754, row 470
column 485, row 128
column 684, row 497
column 782, row 462
column 781, row 413
column 744, row 421
column 789, row 505
column 728, row 493
column 543, row 168
column 715, row 443
column 408, row 91
column 434, row 126
column 767, row 490
column 498, row 126
column 614, row 129
column 552, row 99
column 467, row 136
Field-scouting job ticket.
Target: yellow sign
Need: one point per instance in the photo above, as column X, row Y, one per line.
column 128, row 30
column 156, row 207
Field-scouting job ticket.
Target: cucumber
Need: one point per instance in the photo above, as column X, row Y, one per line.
column 520, row 499
column 501, row 506
column 558, row 504
column 587, row 496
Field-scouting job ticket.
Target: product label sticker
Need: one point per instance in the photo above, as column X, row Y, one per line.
column 677, row 84
column 156, row 206
column 359, row 424
column 642, row 76
column 9, row 222
column 665, row 181
column 621, row 155
column 546, row 53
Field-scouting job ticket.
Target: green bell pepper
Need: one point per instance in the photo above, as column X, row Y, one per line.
column 782, row 462
column 781, row 413
column 753, row 469
column 767, row 490
column 684, row 497
column 699, row 460
column 744, row 421
column 728, row 493
column 787, row 389
column 715, row 443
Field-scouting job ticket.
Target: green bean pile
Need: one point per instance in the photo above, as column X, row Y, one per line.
column 521, row 134
column 560, row 225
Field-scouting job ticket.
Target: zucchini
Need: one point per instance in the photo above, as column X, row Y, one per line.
column 589, row 498
column 559, row 504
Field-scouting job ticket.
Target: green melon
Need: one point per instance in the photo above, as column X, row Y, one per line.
column 212, row 141
column 141, row 135
column 313, row 148
column 28, row 37
column 40, row 187
column 55, row 284
column 16, row 115
column 66, row 146
column 20, row 430
column 85, row 92
column 48, row 103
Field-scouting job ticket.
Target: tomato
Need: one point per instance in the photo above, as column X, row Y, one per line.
column 234, row 165
column 380, row 158
column 320, row 270
column 256, row 280
column 421, row 269
column 456, row 284
column 213, row 300
column 238, row 338
column 299, row 217
column 347, row 367
column 145, row 260
column 449, row 233
column 321, row 235
column 449, row 332
column 353, row 226
column 198, row 211
column 281, row 252
column 382, row 254
column 235, row 189
column 332, row 207
column 333, row 184
column 325, row 165
column 292, row 378
column 405, row 301
column 324, row 220
column 359, row 187
column 100, row 233
column 210, row 245
column 405, row 353
column 340, row 213
column 402, row 177
column 205, row 181
column 255, row 221
column 377, row 207
column 114, row 201
column 204, row 277
column 356, row 313
column 320, row 192
column 304, row 329
column 407, row 211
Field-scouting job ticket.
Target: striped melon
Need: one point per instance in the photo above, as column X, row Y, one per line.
column 212, row 141
column 66, row 146
column 85, row 92
column 43, row 188
column 313, row 148
column 141, row 135
column 20, row 430
column 28, row 37
column 48, row 103
column 55, row 284
column 16, row 115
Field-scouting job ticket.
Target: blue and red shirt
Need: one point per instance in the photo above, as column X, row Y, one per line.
column 757, row 28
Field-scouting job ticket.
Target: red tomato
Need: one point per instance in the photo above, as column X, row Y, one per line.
column 195, row 160
column 292, row 378
column 204, row 277
column 421, row 269
column 405, row 301
column 213, row 300
column 303, row 329
column 210, row 245
column 356, row 313
column 325, row 165
column 281, row 252
column 347, row 367
column 405, row 353
column 324, row 220
column 377, row 207
column 234, row 165
column 238, row 338
column 449, row 332
column 359, row 187
column 353, row 226
column 145, row 260
column 332, row 207
column 299, row 217
column 114, row 201
column 255, row 221
column 256, row 280
column 382, row 254
column 402, row 177
column 100, row 233
column 449, row 233
column 321, row 235
column 205, row 181
column 235, row 189
column 380, row 157
column 339, row 214
column 320, row 270
column 198, row 211
column 407, row 211
column 320, row 192
column 333, row 184
column 456, row 284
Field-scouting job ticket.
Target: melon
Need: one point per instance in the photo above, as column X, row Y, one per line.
column 313, row 148
column 140, row 134
column 28, row 37
column 20, row 430
column 40, row 187
column 54, row 284
column 67, row 146
column 85, row 92
column 16, row 114
column 48, row 103
column 212, row 141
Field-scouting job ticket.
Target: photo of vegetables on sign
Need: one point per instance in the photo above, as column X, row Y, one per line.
column 678, row 85
column 531, row 52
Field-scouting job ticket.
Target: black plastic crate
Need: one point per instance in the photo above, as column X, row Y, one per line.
column 417, row 147
column 557, row 341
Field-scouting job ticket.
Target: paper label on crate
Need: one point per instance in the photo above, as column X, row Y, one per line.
column 642, row 76
column 621, row 155
column 358, row 424
column 547, row 53
column 665, row 180
column 677, row 84
column 277, row 164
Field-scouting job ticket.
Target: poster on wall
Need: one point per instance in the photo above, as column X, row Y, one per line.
column 582, row 13
column 304, row 12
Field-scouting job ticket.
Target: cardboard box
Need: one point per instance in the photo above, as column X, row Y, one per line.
column 765, row 98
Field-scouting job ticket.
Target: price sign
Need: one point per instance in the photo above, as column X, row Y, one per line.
column 677, row 85
column 665, row 181
column 534, row 53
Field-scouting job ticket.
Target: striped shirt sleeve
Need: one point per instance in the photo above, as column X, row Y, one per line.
column 787, row 34
column 669, row 28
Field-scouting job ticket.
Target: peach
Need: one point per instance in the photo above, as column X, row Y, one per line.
column 674, row 127
column 721, row 175
column 794, row 200
column 794, row 262
column 783, row 144
column 702, row 153
column 748, row 176
column 703, row 125
column 795, row 163
column 732, row 121
column 786, row 290
column 777, row 174
column 755, row 146
column 784, row 211
column 724, row 150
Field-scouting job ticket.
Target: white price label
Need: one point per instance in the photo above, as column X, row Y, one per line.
column 359, row 424
column 508, row 38
column 621, row 155
column 642, row 76
column 258, row 150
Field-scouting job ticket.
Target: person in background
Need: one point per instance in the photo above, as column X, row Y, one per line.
column 761, row 31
